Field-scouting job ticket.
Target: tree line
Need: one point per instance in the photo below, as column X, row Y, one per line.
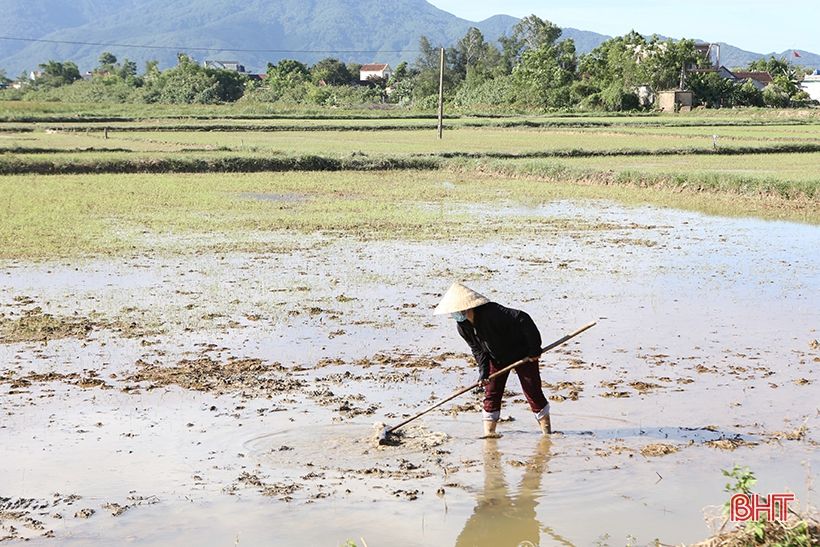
column 530, row 69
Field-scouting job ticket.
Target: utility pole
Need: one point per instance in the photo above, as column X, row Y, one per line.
column 441, row 95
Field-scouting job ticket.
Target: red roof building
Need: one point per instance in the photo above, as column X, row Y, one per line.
column 374, row 71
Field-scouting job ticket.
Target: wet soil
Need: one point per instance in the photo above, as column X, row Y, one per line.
column 197, row 399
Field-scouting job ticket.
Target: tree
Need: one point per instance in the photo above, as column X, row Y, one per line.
column 747, row 94
column 228, row 86
column 785, row 87
column 529, row 33
column 615, row 69
column 4, row 81
column 401, row 73
column 663, row 62
column 354, row 69
column 106, row 62
column 428, row 58
column 426, row 67
column 712, row 90
column 127, row 70
column 543, row 67
column 331, row 72
column 545, row 74
column 772, row 65
column 188, row 82
column 152, row 69
column 286, row 78
column 57, row 74
column 473, row 58
column 288, row 72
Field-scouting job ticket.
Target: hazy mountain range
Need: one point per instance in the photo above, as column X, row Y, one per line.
column 317, row 28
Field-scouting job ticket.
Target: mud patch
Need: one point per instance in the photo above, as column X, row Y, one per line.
column 249, row 377
column 30, row 518
column 658, row 449
column 282, row 491
column 797, row 434
column 88, row 379
column 413, row 437
column 35, row 326
column 344, row 405
column 729, row 444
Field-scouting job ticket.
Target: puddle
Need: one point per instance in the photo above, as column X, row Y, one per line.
column 245, row 387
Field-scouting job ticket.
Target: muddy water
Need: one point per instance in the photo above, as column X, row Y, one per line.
column 704, row 346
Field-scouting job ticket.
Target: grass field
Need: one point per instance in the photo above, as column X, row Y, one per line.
column 99, row 197
column 105, row 214
column 16, row 110
column 468, row 140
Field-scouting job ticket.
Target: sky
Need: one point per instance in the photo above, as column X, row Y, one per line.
column 754, row 25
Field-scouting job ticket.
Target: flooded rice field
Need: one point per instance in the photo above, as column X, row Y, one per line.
column 216, row 399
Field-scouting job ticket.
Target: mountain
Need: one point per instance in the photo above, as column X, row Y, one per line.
column 327, row 26
column 318, row 28
column 731, row 56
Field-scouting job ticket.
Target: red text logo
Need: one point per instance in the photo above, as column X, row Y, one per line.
column 743, row 507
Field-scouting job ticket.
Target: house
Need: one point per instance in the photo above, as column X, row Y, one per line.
column 233, row 66
column 375, row 71
column 675, row 100
column 759, row 79
column 811, row 85
column 708, row 52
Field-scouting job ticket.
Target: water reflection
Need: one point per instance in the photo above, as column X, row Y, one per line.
column 505, row 518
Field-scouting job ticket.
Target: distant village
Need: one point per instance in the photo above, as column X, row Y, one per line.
column 532, row 69
column 671, row 100
column 680, row 100
column 369, row 73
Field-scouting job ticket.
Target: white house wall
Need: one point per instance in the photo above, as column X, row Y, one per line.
column 812, row 87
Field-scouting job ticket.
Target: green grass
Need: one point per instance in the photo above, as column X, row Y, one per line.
column 426, row 142
column 789, row 177
column 22, row 110
column 113, row 214
column 493, row 142
column 790, row 167
column 766, row 165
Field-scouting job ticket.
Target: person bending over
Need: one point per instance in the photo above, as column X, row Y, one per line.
column 498, row 336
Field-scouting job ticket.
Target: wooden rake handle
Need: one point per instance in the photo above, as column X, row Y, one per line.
column 508, row 368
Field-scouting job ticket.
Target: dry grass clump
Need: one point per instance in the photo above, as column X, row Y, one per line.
column 658, row 449
column 797, row 531
column 35, row 326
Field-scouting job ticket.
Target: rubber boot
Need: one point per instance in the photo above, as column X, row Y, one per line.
column 489, row 429
column 546, row 426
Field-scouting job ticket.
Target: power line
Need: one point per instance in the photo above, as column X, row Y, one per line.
column 183, row 48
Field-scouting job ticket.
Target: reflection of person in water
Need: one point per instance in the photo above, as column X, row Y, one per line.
column 500, row 518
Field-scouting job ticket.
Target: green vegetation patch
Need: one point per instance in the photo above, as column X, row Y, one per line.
column 70, row 215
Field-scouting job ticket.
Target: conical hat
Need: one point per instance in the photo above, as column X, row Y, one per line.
column 459, row 298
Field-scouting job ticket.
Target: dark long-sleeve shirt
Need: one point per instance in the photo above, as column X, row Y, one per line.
column 499, row 334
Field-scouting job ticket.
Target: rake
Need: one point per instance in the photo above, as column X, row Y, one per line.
column 384, row 434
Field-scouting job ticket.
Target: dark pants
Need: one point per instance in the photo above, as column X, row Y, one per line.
column 530, row 378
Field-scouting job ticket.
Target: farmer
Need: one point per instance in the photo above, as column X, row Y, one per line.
column 498, row 337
